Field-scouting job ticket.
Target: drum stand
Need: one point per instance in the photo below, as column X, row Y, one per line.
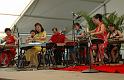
column 90, row 70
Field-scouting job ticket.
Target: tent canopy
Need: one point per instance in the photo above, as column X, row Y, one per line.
column 10, row 10
column 54, row 13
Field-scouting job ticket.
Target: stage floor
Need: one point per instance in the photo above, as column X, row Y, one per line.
column 12, row 74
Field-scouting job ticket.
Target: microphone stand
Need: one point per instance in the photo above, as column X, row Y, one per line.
column 90, row 70
column 73, row 30
column 18, row 62
column 75, row 17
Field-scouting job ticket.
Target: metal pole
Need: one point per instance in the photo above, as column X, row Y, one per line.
column 104, row 6
column 73, row 29
column 99, row 7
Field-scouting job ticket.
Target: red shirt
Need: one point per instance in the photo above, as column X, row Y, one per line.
column 58, row 38
column 10, row 39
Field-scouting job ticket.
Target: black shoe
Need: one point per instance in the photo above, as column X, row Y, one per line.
column 27, row 63
column 4, row 66
column 1, row 65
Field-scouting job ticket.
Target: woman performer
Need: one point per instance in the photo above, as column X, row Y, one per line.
column 114, row 34
column 32, row 54
column 101, row 33
column 8, row 54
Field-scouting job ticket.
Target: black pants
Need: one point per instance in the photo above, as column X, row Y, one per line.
column 83, row 58
column 58, row 56
column 111, row 46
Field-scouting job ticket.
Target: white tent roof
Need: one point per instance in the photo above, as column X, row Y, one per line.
column 10, row 10
column 54, row 13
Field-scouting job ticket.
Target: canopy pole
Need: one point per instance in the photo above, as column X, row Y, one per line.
column 99, row 7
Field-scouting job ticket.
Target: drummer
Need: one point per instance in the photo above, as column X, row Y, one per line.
column 114, row 34
column 101, row 33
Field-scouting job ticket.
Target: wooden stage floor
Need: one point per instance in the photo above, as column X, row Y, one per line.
column 13, row 74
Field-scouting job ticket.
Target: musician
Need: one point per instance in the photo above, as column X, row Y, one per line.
column 101, row 33
column 114, row 34
column 79, row 36
column 32, row 54
column 31, row 37
column 8, row 52
column 79, row 31
column 57, row 37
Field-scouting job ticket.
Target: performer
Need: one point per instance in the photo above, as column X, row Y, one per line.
column 57, row 37
column 8, row 54
column 101, row 33
column 79, row 31
column 32, row 54
column 114, row 49
column 79, row 36
column 31, row 37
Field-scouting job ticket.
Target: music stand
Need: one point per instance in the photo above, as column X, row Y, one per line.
column 95, row 41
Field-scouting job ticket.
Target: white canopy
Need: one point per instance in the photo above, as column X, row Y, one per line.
column 54, row 13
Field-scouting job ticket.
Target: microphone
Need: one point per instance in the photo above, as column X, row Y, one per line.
column 76, row 15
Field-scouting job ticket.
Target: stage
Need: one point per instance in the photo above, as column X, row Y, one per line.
column 13, row 74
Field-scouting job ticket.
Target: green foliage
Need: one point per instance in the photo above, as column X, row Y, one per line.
column 91, row 25
column 107, row 19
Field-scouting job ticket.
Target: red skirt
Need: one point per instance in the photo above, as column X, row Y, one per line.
column 7, row 55
column 101, row 49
